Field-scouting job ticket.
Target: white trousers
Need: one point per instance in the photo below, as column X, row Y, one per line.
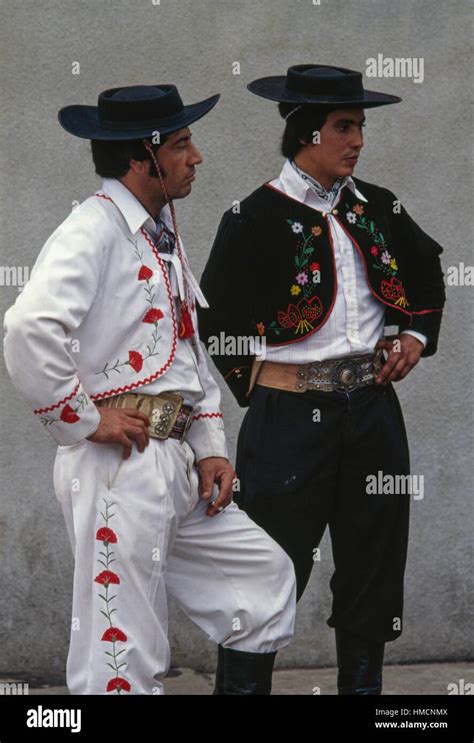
column 139, row 531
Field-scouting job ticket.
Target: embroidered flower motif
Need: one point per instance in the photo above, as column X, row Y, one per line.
column 118, row 684
column 304, row 282
column 135, row 360
column 301, row 316
column 68, row 414
column 351, row 217
column 152, row 315
column 358, row 209
column 260, row 328
column 113, row 634
column 393, row 291
column 106, row 577
column 145, row 273
column 383, row 260
column 106, row 535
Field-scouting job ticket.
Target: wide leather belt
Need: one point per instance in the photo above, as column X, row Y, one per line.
column 333, row 375
column 169, row 418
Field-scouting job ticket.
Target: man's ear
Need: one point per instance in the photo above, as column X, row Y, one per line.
column 140, row 166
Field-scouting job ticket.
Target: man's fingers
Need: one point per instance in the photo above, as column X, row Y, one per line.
column 207, row 484
column 140, row 436
column 396, row 371
column 127, row 444
column 224, row 497
column 132, row 413
column 387, row 368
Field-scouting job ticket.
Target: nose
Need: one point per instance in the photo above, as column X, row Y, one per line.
column 195, row 155
column 357, row 140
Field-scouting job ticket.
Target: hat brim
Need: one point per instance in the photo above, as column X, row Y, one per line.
column 274, row 89
column 83, row 121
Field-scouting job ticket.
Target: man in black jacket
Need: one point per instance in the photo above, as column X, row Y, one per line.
column 315, row 264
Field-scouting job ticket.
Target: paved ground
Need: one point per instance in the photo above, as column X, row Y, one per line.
column 429, row 678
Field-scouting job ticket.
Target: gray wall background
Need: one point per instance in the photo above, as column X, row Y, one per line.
column 420, row 149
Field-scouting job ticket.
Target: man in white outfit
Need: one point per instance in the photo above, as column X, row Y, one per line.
column 102, row 343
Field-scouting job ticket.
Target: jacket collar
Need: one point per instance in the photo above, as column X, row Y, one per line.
column 133, row 211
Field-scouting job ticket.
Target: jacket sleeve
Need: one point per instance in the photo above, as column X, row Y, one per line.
column 206, row 436
column 39, row 327
column 229, row 288
column 427, row 278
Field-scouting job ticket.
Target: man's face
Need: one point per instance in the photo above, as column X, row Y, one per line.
column 340, row 144
column 177, row 159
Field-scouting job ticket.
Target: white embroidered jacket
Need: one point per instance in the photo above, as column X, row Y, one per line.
column 99, row 308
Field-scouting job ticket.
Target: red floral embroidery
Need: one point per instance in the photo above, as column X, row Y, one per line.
column 145, row 273
column 106, row 577
column 152, row 315
column 393, row 291
column 135, row 360
column 301, row 316
column 114, row 634
column 68, row 415
column 106, row 535
column 117, row 684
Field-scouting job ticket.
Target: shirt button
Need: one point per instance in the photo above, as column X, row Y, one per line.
column 335, row 211
column 323, row 214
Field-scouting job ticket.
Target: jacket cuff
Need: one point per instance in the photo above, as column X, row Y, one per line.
column 206, row 436
column 71, row 420
column 419, row 336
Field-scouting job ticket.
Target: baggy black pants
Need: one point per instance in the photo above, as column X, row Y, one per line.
column 298, row 475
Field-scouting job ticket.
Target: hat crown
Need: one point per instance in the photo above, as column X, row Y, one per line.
column 143, row 103
column 324, row 80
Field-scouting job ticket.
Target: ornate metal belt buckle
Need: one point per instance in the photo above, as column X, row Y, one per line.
column 164, row 412
column 345, row 376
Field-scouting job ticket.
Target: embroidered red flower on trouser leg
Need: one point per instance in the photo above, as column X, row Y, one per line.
column 107, row 578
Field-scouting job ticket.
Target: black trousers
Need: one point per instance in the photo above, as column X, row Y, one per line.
column 298, row 475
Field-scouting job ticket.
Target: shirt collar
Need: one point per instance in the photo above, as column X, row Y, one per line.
column 295, row 186
column 133, row 211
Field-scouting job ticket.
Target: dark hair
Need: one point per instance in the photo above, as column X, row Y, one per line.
column 301, row 125
column 112, row 157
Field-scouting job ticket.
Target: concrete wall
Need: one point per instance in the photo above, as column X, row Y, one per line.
column 419, row 149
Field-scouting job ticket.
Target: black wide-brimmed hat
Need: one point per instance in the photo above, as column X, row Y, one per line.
column 320, row 85
column 133, row 112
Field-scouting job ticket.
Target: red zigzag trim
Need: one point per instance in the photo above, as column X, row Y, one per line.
column 38, row 411
column 207, row 415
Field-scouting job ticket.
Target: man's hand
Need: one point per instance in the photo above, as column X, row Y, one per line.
column 404, row 352
column 122, row 426
column 219, row 470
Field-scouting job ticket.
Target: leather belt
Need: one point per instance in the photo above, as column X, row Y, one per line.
column 333, row 375
column 169, row 418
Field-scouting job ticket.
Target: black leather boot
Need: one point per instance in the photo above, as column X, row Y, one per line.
column 360, row 664
column 239, row 672
column 220, row 670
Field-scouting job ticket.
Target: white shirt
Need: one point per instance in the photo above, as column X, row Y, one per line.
column 356, row 322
